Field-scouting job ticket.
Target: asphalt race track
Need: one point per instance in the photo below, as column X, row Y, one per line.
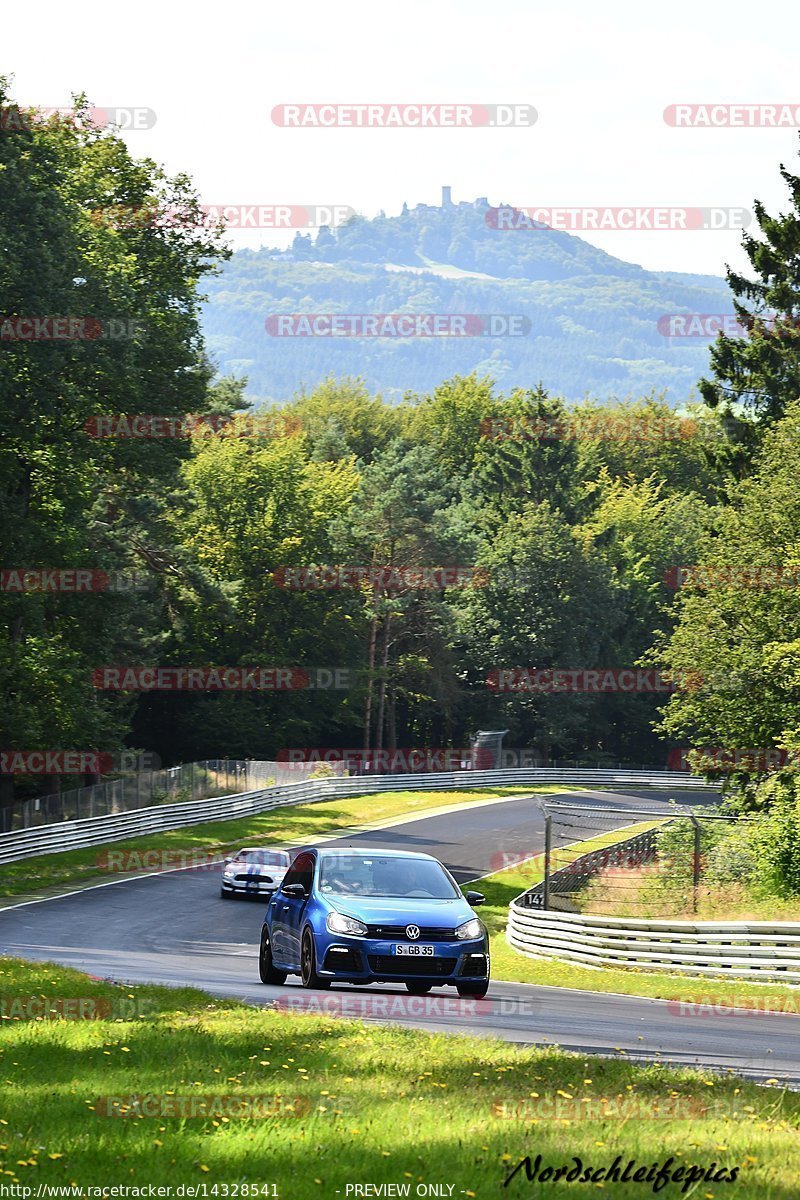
column 173, row 928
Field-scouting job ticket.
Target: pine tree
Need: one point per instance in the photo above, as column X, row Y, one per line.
column 757, row 375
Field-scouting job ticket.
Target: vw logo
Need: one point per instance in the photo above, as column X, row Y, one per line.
column 412, row 932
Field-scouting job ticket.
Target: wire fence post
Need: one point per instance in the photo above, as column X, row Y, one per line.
column 696, row 864
column 547, row 844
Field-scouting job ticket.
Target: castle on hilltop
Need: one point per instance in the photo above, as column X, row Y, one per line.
column 447, row 204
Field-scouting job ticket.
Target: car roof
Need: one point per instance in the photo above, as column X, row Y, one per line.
column 377, row 851
column 272, row 849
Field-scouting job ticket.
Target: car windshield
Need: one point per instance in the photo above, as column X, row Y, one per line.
column 267, row 858
column 373, row 875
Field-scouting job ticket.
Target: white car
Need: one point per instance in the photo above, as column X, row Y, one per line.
column 254, row 871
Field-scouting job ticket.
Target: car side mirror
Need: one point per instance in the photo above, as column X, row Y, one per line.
column 474, row 899
column 295, row 890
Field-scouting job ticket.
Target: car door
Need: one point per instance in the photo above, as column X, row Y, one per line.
column 293, row 907
column 281, row 907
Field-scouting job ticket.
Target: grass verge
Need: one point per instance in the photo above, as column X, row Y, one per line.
column 343, row 1103
column 508, row 964
column 643, row 892
column 300, row 822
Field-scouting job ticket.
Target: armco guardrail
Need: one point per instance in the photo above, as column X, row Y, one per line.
column 761, row 950
column 93, row 831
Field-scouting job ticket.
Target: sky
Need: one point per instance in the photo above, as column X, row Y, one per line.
column 599, row 77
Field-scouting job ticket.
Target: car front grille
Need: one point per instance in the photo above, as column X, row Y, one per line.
column 254, row 879
column 387, row 964
column 398, row 933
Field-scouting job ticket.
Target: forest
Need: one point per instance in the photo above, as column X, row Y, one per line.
column 369, row 573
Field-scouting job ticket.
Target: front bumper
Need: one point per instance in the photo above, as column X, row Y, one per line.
column 250, row 887
column 367, row 960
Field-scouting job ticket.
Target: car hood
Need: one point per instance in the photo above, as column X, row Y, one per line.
column 259, row 869
column 377, row 910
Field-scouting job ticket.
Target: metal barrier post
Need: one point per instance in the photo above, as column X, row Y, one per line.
column 547, row 843
column 696, row 864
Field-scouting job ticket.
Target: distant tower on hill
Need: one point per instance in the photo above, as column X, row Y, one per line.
column 447, row 201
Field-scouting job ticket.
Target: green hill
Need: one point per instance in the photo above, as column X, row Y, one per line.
column 593, row 318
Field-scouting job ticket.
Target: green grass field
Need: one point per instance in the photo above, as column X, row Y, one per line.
column 342, row 1103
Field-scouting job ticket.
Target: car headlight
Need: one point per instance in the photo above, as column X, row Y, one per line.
column 470, row 929
column 339, row 923
column 229, row 871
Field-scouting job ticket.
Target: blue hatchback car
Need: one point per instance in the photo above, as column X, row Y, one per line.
column 359, row 916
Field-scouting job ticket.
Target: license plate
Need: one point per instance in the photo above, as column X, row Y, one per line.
column 414, row 951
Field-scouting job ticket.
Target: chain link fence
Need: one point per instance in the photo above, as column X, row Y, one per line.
column 189, row 781
column 639, row 862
